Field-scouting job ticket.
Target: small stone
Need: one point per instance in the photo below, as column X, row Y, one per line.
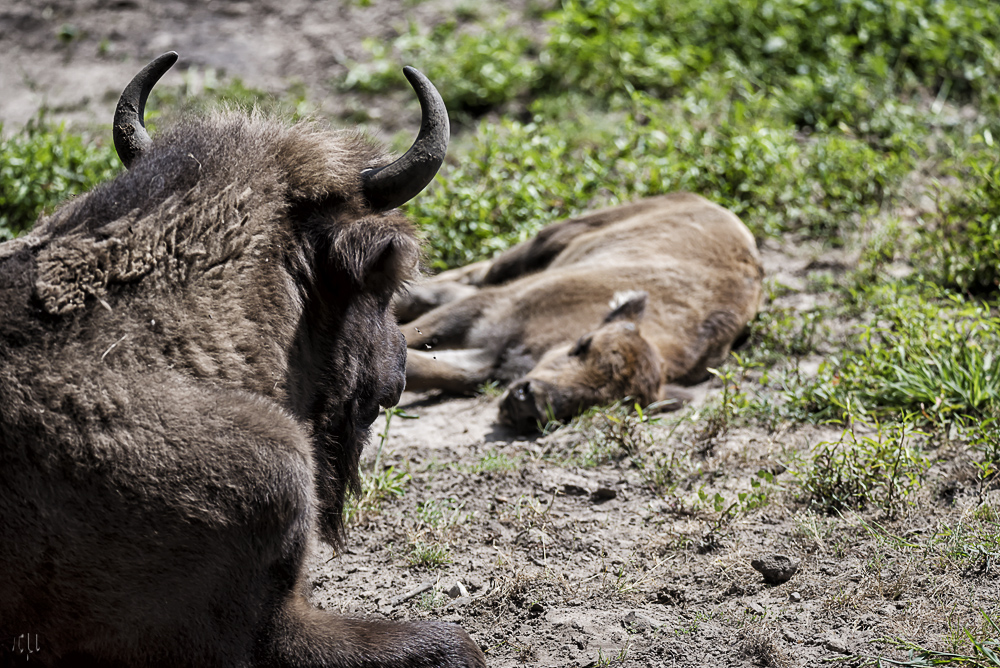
column 670, row 596
column 776, row 568
column 457, row 590
column 635, row 622
column 836, row 645
column 536, row 608
column 795, row 597
column 603, row 494
column 757, row 608
column 789, row 636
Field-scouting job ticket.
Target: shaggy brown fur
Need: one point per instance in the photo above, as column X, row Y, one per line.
column 682, row 274
column 190, row 360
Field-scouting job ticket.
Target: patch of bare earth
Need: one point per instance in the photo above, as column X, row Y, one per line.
column 572, row 564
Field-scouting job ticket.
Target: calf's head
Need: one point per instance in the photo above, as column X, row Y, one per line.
column 602, row 366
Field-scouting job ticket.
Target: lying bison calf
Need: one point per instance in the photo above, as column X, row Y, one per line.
column 190, row 359
column 631, row 301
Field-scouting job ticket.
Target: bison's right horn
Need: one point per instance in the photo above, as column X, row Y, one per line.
column 131, row 138
column 395, row 184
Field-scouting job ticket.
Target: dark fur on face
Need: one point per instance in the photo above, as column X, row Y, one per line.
column 190, row 360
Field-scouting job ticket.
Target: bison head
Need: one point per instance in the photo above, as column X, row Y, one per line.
column 602, row 366
column 312, row 250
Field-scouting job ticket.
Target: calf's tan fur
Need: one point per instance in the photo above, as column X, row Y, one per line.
column 630, row 301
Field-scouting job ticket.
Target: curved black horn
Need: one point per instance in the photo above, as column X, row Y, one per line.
column 130, row 134
column 395, row 184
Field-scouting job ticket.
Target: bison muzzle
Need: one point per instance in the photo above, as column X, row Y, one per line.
column 190, row 360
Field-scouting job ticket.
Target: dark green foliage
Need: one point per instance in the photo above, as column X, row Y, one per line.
column 44, row 164
column 513, row 177
column 961, row 243
column 472, row 71
column 824, row 55
column 921, row 352
column 828, row 62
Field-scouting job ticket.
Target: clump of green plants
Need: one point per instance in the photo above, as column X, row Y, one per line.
column 473, row 70
column 922, row 351
column 606, row 434
column 960, row 244
column 428, row 555
column 734, row 406
column 435, row 521
column 777, row 333
column 495, row 461
column 441, row 514
column 877, row 465
column 44, row 164
column 729, row 508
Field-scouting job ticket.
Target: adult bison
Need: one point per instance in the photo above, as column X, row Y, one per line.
column 190, row 359
column 631, row 301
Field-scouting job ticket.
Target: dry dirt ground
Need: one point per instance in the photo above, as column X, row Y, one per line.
column 558, row 550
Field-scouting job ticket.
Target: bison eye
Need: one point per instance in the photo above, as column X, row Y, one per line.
column 582, row 346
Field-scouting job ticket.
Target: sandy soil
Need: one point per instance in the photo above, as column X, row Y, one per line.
column 565, row 557
column 73, row 57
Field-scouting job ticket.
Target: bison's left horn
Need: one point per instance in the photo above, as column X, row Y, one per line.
column 131, row 138
column 395, row 184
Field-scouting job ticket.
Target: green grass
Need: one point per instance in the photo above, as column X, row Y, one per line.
column 827, row 63
column 473, row 71
column 515, row 177
column 44, row 164
column 960, row 245
column 919, row 351
column 875, row 465
column 428, row 555
column 495, row 461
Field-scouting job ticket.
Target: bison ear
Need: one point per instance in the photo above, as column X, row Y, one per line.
column 386, row 264
column 628, row 306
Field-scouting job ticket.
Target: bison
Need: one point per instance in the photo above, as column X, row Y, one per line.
column 632, row 301
column 190, row 359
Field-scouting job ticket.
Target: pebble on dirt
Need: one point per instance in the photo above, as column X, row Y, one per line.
column 776, row 568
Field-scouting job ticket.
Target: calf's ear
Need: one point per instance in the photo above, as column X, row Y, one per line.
column 628, row 307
